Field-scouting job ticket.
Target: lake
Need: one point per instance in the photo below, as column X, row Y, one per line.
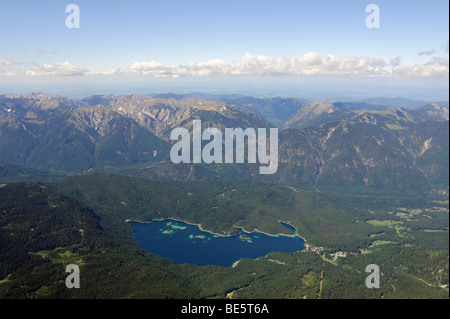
column 187, row 243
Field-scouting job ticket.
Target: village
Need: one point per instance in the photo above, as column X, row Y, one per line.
column 409, row 214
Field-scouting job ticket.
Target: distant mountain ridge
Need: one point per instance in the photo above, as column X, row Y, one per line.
column 319, row 113
column 401, row 102
column 351, row 146
column 73, row 137
column 33, row 105
column 369, row 150
column 276, row 110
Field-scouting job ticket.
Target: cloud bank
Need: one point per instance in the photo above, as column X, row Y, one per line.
column 5, row 62
column 305, row 65
column 57, row 69
column 308, row 64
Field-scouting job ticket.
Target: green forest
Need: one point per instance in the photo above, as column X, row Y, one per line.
column 82, row 220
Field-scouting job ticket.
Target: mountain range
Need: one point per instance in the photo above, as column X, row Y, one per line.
column 354, row 146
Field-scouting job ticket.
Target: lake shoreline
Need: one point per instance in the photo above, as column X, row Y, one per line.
column 272, row 235
column 233, row 248
column 224, row 234
column 180, row 220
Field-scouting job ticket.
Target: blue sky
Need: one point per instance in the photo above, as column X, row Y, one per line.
column 144, row 43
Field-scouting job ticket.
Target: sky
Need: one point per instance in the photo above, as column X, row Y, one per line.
column 283, row 47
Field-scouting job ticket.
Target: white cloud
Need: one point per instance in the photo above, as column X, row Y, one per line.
column 436, row 67
column 5, row 62
column 310, row 63
column 57, row 69
column 151, row 68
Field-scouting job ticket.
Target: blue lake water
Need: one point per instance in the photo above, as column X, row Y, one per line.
column 186, row 243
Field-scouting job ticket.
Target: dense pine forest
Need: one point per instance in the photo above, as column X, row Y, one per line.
column 82, row 220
